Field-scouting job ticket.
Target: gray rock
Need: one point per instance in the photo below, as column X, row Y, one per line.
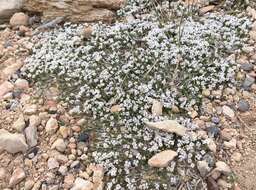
column 31, row 135
column 247, row 66
column 12, row 143
column 243, row 105
column 248, row 82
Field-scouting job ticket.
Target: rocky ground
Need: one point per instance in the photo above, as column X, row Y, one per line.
column 44, row 146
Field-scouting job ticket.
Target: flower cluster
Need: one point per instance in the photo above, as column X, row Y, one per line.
column 131, row 63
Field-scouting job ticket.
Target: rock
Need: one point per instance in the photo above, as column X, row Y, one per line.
column 59, row 145
column 206, row 9
column 8, row 8
column 19, row 19
column 64, row 131
column 75, row 11
column 211, row 184
column 29, row 185
column 30, row 109
column 213, row 131
column 81, row 184
column 157, row 108
column 17, row 176
column 69, row 181
column 206, row 92
column 5, row 87
column 19, row 124
column 228, row 133
column 230, row 144
column 51, row 126
column 37, row 185
column 115, row 109
column 75, row 164
column 12, row 143
column 170, row 126
column 98, row 174
column 52, row 163
column 223, row 184
column 248, row 82
column 236, row 156
column 34, row 121
column 12, row 67
column 247, row 67
column 3, row 173
column 223, row 168
column 228, row 112
column 63, row 170
column 211, row 145
column 251, row 12
column 203, row 168
column 243, row 105
column 162, row 159
column 31, row 136
column 21, row 84
column 216, row 120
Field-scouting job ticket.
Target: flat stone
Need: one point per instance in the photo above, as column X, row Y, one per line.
column 18, row 175
column 228, row 112
column 5, row 87
column 31, row 135
column 170, row 126
column 162, row 159
column 19, row 124
column 247, row 67
column 8, row 8
column 51, row 126
column 12, row 143
column 81, row 184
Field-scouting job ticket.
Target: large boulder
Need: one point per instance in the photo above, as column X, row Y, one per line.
column 8, row 8
column 75, row 11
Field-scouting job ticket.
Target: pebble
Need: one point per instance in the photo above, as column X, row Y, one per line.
column 3, row 173
column 18, row 175
column 19, row 19
column 37, row 185
column 31, row 135
column 5, row 87
column 230, row 144
column 63, row 170
column 69, row 181
column 21, row 84
column 83, row 137
column 52, row 163
column 247, row 67
column 162, row 159
column 171, row 126
column 51, row 126
column 81, row 184
column 203, row 168
column 243, row 105
column 59, row 145
column 64, row 131
column 157, row 108
column 29, row 185
column 30, row 109
column 216, row 120
column 223, row 168
column 12, row 143
column 211, row 145
column 248, row 82
column 34, row 120
column 228, row 112
column 75, row 164
column 236, row 156
column 19, row 124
